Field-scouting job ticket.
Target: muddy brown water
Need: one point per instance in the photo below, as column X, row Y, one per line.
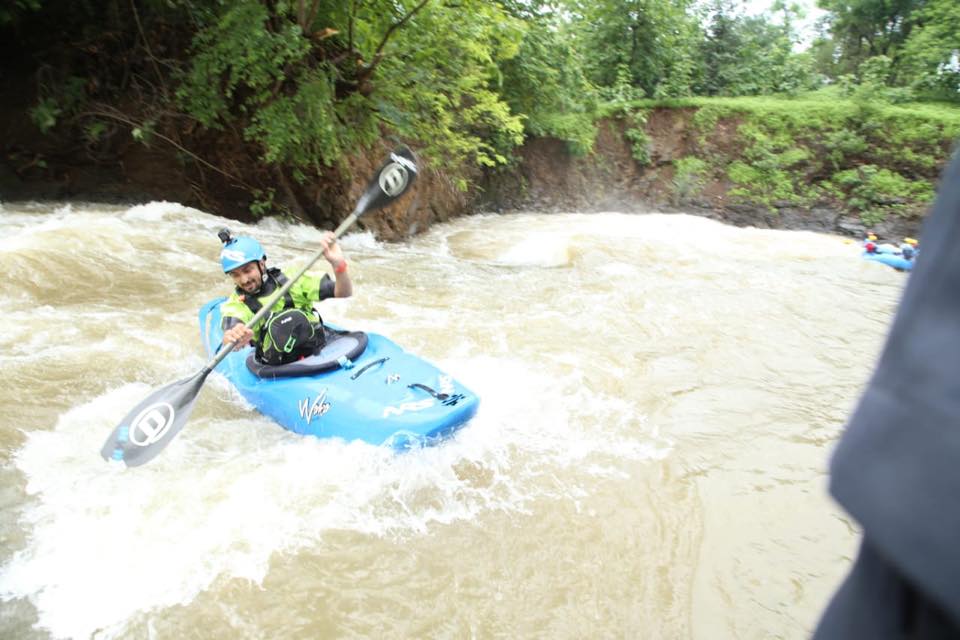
column 660, row 397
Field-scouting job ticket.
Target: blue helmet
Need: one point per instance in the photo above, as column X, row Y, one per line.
column 237, row 252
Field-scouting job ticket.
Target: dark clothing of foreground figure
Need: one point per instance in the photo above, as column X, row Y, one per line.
column 896, row 469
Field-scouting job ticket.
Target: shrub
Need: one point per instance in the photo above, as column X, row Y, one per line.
column 689, row 176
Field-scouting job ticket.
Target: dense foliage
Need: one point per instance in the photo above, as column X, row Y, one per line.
column 917, row 40
column 302, row 84
column 878, row 160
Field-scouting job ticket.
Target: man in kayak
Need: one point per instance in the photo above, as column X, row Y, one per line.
column 292, row 329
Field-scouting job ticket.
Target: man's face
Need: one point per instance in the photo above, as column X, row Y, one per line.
column 247, row 277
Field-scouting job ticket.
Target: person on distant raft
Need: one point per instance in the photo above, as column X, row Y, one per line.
column 293, row 329
column 909, row 249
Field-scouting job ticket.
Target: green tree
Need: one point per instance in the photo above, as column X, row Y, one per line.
column 751, row 55
column 655, row 40
column 931, row 54
column 442, row 85
column 12, row 10
column 307, row 84
column 545, row 82
column 863, row 29
column 720, row 49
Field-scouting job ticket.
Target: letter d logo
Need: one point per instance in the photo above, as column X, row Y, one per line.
column 151, row 424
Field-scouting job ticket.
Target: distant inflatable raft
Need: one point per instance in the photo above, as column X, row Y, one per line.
column 359, row 387
column 900, row 257
column 895, row 260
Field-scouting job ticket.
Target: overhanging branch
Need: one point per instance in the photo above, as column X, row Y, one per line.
column 378, row 54
column 105, row 111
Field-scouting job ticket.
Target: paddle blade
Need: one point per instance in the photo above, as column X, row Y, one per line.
column 390, row 182
column 152, row 424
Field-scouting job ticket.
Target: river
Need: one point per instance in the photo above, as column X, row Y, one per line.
column 660, row 395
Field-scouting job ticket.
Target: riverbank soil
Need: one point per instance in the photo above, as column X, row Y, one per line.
column 216, row 173
column 547, row 177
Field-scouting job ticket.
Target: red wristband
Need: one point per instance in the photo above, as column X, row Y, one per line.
column 341, row 268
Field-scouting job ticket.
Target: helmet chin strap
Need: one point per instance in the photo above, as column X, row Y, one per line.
column 263, row 275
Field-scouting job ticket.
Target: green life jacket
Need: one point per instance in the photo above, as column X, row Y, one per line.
column 266, row 351
column 273, row 280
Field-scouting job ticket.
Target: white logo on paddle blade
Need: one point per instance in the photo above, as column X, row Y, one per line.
column 404, row 161
column 151, row 424
column 394, row 178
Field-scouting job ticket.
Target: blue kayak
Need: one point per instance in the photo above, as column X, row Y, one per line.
column 360, row 386
column 895, row 260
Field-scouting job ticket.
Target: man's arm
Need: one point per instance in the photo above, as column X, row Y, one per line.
column 343, row 286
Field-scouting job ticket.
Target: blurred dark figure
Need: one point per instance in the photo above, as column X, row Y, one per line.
column 896, row 469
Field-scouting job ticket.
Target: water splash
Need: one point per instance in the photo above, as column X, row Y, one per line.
column 107, row 543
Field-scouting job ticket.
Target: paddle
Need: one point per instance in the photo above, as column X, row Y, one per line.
column 152, row 424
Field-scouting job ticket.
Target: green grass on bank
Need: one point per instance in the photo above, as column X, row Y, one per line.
column 859, row 153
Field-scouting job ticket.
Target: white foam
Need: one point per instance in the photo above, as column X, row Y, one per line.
column 543, row 250
column 106, row 543
column 159, row 210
